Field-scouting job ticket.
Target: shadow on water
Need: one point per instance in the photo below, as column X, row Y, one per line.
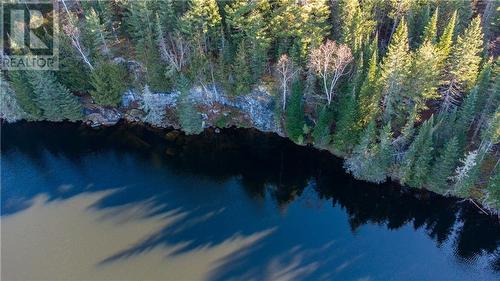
column 239, row 182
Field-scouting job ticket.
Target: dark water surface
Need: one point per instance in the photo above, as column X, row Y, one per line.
column 135, row 203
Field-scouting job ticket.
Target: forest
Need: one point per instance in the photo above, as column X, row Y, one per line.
column 406, row 90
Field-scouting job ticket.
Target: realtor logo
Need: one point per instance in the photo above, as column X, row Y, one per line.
column 28, row 34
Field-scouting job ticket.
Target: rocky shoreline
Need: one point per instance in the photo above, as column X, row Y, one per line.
column 217, row 111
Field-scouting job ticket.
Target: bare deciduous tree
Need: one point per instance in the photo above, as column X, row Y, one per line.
column 174, row 49
column 330, row 61
column 286, row 71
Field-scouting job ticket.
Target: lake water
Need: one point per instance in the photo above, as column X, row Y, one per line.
column 133, row 203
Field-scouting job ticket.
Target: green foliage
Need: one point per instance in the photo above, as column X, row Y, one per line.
column 444, row 166
column 141, row 23
column 425, row 75
column 10, row 110
column 189, row 118
column 110, row 82
column 371, row 160
column 297, row 27
column 465, row 57
column 361, row 162
column 55, row 100
column 384, row 153
column 416, row 165
column 430, row 30
column 465, row 116
column 72, row 72
column 248, row 21
column 241, row 69
column 295, row 113
column 24, row 93
column 321, row 132
column 356, row 24
column 493, row 189
column 395, row 72
column 369, row 96
column 202, row 22
column 347, row 129
column 446, row 38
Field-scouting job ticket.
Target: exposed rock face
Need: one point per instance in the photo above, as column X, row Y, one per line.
column 101, row 116
column 256, row 108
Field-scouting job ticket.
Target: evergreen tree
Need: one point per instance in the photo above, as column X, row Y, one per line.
column 203, row 23
column 321, row 132
column 241, row 70
column 488, row 96
column 416, row 165
column 462, row 8
column 430, row 30
column 369, row 96
column 55, row 100
column 493, row 189
column 463, row 64
column 189, row 118
column 247, row 22
column 10, row 110
column 25, row 95
column 356, row 26
column 142, row 26
column 72, row 73
column 96, row 35
column 295, row 114
column 110, row 82
column 425, row 73
column 419, row 17
column 395, row 72
column 446, row 38
column 465, row 116
column 347, row 130
column 444, row 166
column 359, row 162
column 385, row 152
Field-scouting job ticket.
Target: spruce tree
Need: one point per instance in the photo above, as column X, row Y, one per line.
column 203, row 24
column 430, row 30
column 446, row 38
column 395, row 72
column 24, row 93
column 465, row 116
column 72, row 73
column 96, row 35
column 488, row 95
column 295, row 114
column 189, row 118
column 347, row 129
column 142, row 27
column 493, row 189
column 425, row 75
column 110, row 82
column 55, row 100
column 241, row 71
column 360, row 160
column 356, row 26
column 416, row 165
column 385, row 152
column 444, row 166
column 10, row 110
column 463, row 64
column 321, row 132
column 369, row 96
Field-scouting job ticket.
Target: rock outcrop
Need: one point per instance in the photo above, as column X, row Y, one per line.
column 255, row 109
